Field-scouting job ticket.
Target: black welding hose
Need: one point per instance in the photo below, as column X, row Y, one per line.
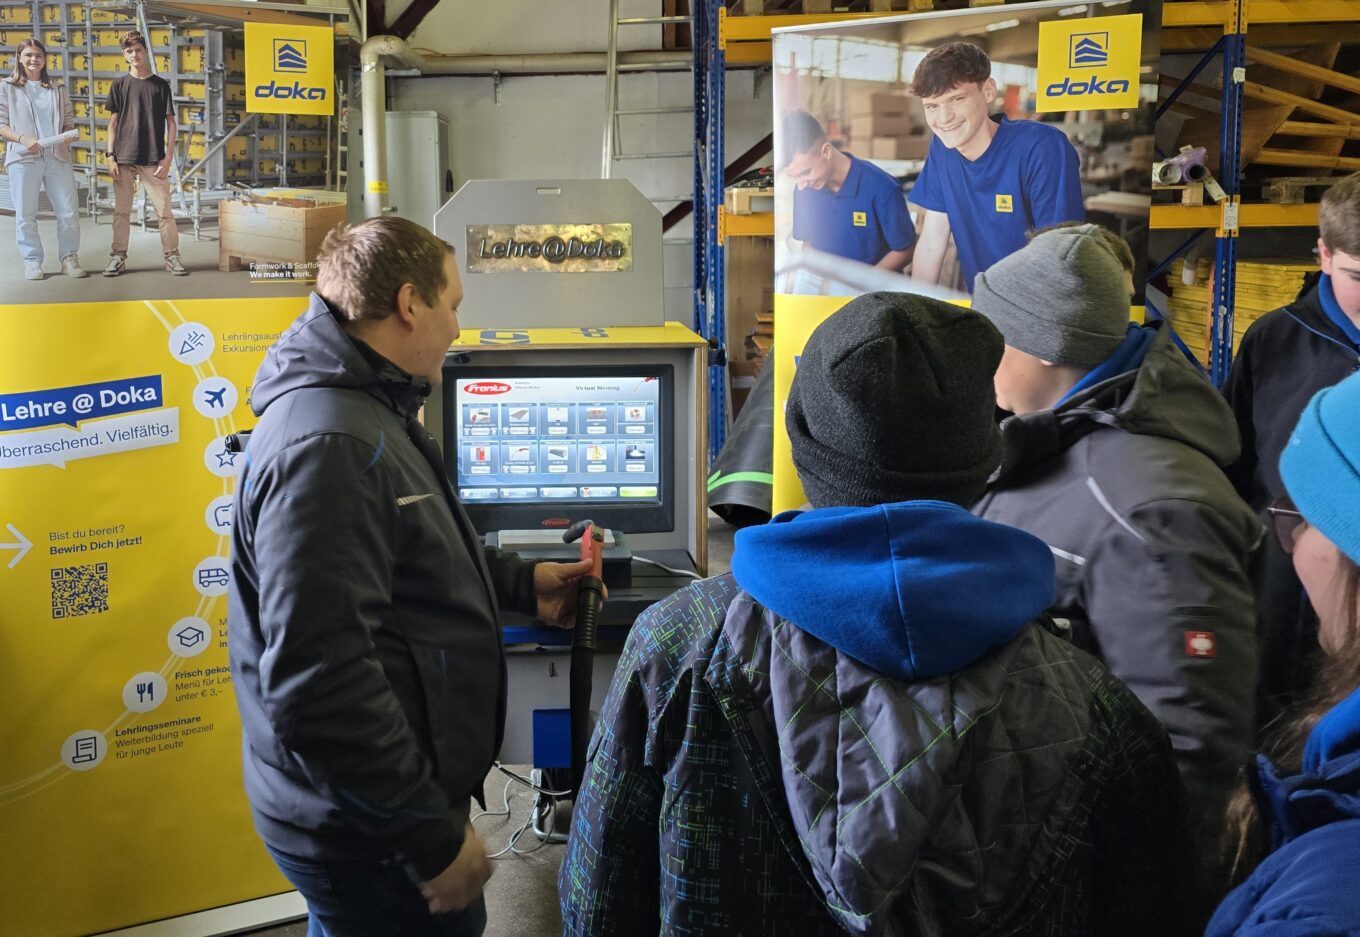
column 589, row 601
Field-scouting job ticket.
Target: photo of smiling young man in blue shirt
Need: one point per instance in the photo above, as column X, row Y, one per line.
column 987, row 181
column 844, row 205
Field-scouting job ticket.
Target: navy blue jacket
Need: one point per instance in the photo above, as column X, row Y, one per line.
column 1307, row 886
column 363, row 614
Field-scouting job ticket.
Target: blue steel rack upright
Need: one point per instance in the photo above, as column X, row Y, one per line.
column 1232, row 46
column 710, row 68
column 1230, row 168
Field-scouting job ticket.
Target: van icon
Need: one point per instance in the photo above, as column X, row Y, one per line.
column 213, row 576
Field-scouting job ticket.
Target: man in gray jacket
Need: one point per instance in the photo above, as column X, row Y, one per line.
column 1115, row 458
column 363, row 615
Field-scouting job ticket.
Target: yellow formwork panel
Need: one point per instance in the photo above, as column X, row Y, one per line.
column 10, row 14
column 80, row 88
column 191, row 59
column 113, row 62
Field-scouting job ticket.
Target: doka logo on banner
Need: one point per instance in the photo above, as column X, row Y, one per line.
column 1090, row 50
column 1089, row 64
column 289, row 69
column 290, row 55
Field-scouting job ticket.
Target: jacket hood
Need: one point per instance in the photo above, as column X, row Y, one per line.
column 1327, row 790
column 315, row 352
column 1167, row 396
column 914, row 590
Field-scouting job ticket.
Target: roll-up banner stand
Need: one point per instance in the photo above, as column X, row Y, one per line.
column 876, row 156
column 121, row 800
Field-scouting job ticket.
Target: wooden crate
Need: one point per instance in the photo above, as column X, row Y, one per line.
column 743, row 200
column 270, row 232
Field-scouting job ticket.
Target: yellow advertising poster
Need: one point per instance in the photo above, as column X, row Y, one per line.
column 290, row 69
column 1089, row 63
column 120, row 785
column 795, row 319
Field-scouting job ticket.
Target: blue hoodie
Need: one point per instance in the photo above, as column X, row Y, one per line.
column 914, row 590
column 1307, row 886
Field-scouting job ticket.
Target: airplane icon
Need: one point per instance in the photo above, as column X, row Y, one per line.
column 213, row 398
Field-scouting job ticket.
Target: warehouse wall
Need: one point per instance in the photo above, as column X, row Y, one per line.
column 462, row 27
column 552, row 126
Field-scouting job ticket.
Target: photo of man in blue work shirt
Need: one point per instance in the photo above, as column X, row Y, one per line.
column 986, row 180
column 844, row 205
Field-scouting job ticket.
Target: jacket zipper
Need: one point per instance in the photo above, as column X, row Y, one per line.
column 1350, row 350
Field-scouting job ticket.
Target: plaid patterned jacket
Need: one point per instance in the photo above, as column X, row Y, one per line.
column 748, row 779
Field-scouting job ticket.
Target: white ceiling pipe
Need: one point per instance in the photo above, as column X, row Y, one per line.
column 373, row 96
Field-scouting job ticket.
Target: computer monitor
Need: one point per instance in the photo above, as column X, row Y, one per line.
column 543, row 446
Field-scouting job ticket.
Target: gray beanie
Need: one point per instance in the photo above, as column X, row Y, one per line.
column 893, row 401
column 1061, row 298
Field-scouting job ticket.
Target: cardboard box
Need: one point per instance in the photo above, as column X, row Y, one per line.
column 282, row 231
column 912, row 147
column 881, row 105
column 880, row 125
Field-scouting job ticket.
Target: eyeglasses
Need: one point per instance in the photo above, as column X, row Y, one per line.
column 1287, row 522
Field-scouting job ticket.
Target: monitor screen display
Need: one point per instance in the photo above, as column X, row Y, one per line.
column 532, row 447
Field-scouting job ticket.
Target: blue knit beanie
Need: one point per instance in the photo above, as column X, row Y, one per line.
column 1321, row 465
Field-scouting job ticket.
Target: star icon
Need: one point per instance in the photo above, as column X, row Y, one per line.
column 226, row 458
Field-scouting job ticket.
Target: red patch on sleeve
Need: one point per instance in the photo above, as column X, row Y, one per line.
column 1200, row 644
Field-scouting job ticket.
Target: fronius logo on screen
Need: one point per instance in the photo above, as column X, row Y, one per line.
column 289, row 69
column 1089, row 64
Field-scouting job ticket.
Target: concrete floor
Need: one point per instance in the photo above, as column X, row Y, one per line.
column 146, row 277
column 521, row 897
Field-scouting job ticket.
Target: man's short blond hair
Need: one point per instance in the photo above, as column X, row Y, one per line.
column 364, row 266
column 1339, row 216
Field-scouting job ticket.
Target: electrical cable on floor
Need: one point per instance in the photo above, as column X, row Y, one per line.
column 670, row 569
column 544, row 805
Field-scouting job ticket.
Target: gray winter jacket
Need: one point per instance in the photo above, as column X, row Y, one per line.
column 365, row 640
column 16, row 112
column 1125, row 483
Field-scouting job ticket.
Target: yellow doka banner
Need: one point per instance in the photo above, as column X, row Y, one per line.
column 1089, row 63
column 290, row 69
column 120, row 782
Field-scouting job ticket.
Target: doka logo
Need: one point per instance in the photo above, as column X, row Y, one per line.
column 1090, row 50
column 290, row 58
column 1093, row 63
column 290, row 55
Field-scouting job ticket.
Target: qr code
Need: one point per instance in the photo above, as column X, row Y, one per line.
column 80, row 590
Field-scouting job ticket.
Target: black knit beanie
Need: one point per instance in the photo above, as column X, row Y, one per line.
column 892, row 400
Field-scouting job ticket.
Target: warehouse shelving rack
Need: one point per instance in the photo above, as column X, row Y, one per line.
column 1229, row 217
column 722, row 40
